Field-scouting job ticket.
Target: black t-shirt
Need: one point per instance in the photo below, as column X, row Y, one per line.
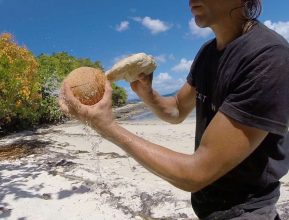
column 249, row 82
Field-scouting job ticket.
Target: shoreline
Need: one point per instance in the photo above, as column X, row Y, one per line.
column 130, row 110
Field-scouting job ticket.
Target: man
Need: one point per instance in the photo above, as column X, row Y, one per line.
column 239, row 85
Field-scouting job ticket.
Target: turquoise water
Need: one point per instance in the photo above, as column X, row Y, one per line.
column 150, row 116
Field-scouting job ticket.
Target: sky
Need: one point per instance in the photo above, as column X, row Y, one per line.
column 108, row 30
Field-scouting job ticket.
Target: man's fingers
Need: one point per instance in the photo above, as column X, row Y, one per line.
column 141, row 76
column 62, row 103
column 144, row 78
column 73, row 104
column 107, row 96
column 151, row 76
column 63, row 106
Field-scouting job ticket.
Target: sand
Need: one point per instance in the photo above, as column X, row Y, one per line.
column 65, row 174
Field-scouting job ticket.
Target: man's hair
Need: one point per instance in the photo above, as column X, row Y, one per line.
column 252, row 9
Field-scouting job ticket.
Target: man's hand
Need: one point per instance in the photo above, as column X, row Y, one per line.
column 98, row 116
column 173, row 109
column 143, row 86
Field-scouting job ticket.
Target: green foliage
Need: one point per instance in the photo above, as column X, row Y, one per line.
column 52, row 70
column 29, row 86
column 19, row 85
column 119, row 96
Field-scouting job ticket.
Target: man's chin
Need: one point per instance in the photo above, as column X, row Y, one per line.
column 201, row 23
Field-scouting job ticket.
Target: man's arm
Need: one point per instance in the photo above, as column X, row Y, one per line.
column 225, row 144
column 170, row 109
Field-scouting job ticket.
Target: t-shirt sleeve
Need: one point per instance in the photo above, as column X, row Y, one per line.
column 191, row 78
column 259, row 95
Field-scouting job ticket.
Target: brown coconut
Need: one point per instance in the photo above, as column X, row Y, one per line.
column 87, row 84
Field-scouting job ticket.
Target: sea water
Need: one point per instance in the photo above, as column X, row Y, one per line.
column 148, row 115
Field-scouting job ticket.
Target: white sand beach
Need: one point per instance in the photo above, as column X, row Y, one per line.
column 71, row 174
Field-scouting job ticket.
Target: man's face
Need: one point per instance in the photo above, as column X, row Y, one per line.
column 210, row 12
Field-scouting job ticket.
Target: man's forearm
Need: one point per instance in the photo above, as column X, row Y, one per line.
column 174, row 167
column 165, row 108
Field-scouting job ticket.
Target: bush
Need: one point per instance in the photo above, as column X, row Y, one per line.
column 29, row 86
column 119, row 96
column 52, row 70
column 19, row 85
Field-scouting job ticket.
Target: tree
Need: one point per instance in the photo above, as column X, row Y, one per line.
column 29, row 86
column 19, row 85
column 119, row 96
column 52, row 70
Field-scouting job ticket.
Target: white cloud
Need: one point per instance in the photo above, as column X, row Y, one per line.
column 164, row 83
column 197, row 31
column 172, row 57
column 280, row 27
column 154, row 25
column 124, row 25
column 183, row 66
column 163, row 58
column 137, row 19
column 162, row 77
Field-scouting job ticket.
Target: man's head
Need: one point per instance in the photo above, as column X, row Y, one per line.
column 211, row 12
